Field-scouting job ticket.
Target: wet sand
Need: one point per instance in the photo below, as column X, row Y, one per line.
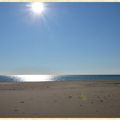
column 60, row 99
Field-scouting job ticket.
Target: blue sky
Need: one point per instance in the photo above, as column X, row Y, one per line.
column 68, row 38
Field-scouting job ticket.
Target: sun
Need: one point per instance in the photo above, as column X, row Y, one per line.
column 37, row 7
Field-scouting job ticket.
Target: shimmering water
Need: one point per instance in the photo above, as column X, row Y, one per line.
column 42, row 78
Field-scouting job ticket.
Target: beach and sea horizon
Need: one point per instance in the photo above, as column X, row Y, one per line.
column 59, row 60
column 60, row 96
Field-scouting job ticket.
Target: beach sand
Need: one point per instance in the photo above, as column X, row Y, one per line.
column 60, row 99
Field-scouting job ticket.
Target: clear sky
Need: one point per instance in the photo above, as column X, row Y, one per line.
column 67, row 38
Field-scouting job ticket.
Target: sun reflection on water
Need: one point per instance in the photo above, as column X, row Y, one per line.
column 34, row 78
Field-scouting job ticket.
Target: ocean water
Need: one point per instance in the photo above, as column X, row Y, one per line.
column 43, row 78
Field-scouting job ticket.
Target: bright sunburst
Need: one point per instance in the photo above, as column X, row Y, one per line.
column 37, row 7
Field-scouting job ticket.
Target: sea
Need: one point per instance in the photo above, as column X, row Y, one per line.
column 44, row 78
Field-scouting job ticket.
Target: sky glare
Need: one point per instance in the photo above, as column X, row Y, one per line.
column 67, row 38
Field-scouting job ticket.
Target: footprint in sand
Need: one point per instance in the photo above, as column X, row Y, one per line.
column 101, row 101
column 92, row 102
column 16, row 110
column 69, row 96
column 80, row 105
column 47, row 87
column 96, row 110
column 21, row 101
column 55, row 101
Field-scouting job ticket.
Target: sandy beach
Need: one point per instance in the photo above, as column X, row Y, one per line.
column 60, row 99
